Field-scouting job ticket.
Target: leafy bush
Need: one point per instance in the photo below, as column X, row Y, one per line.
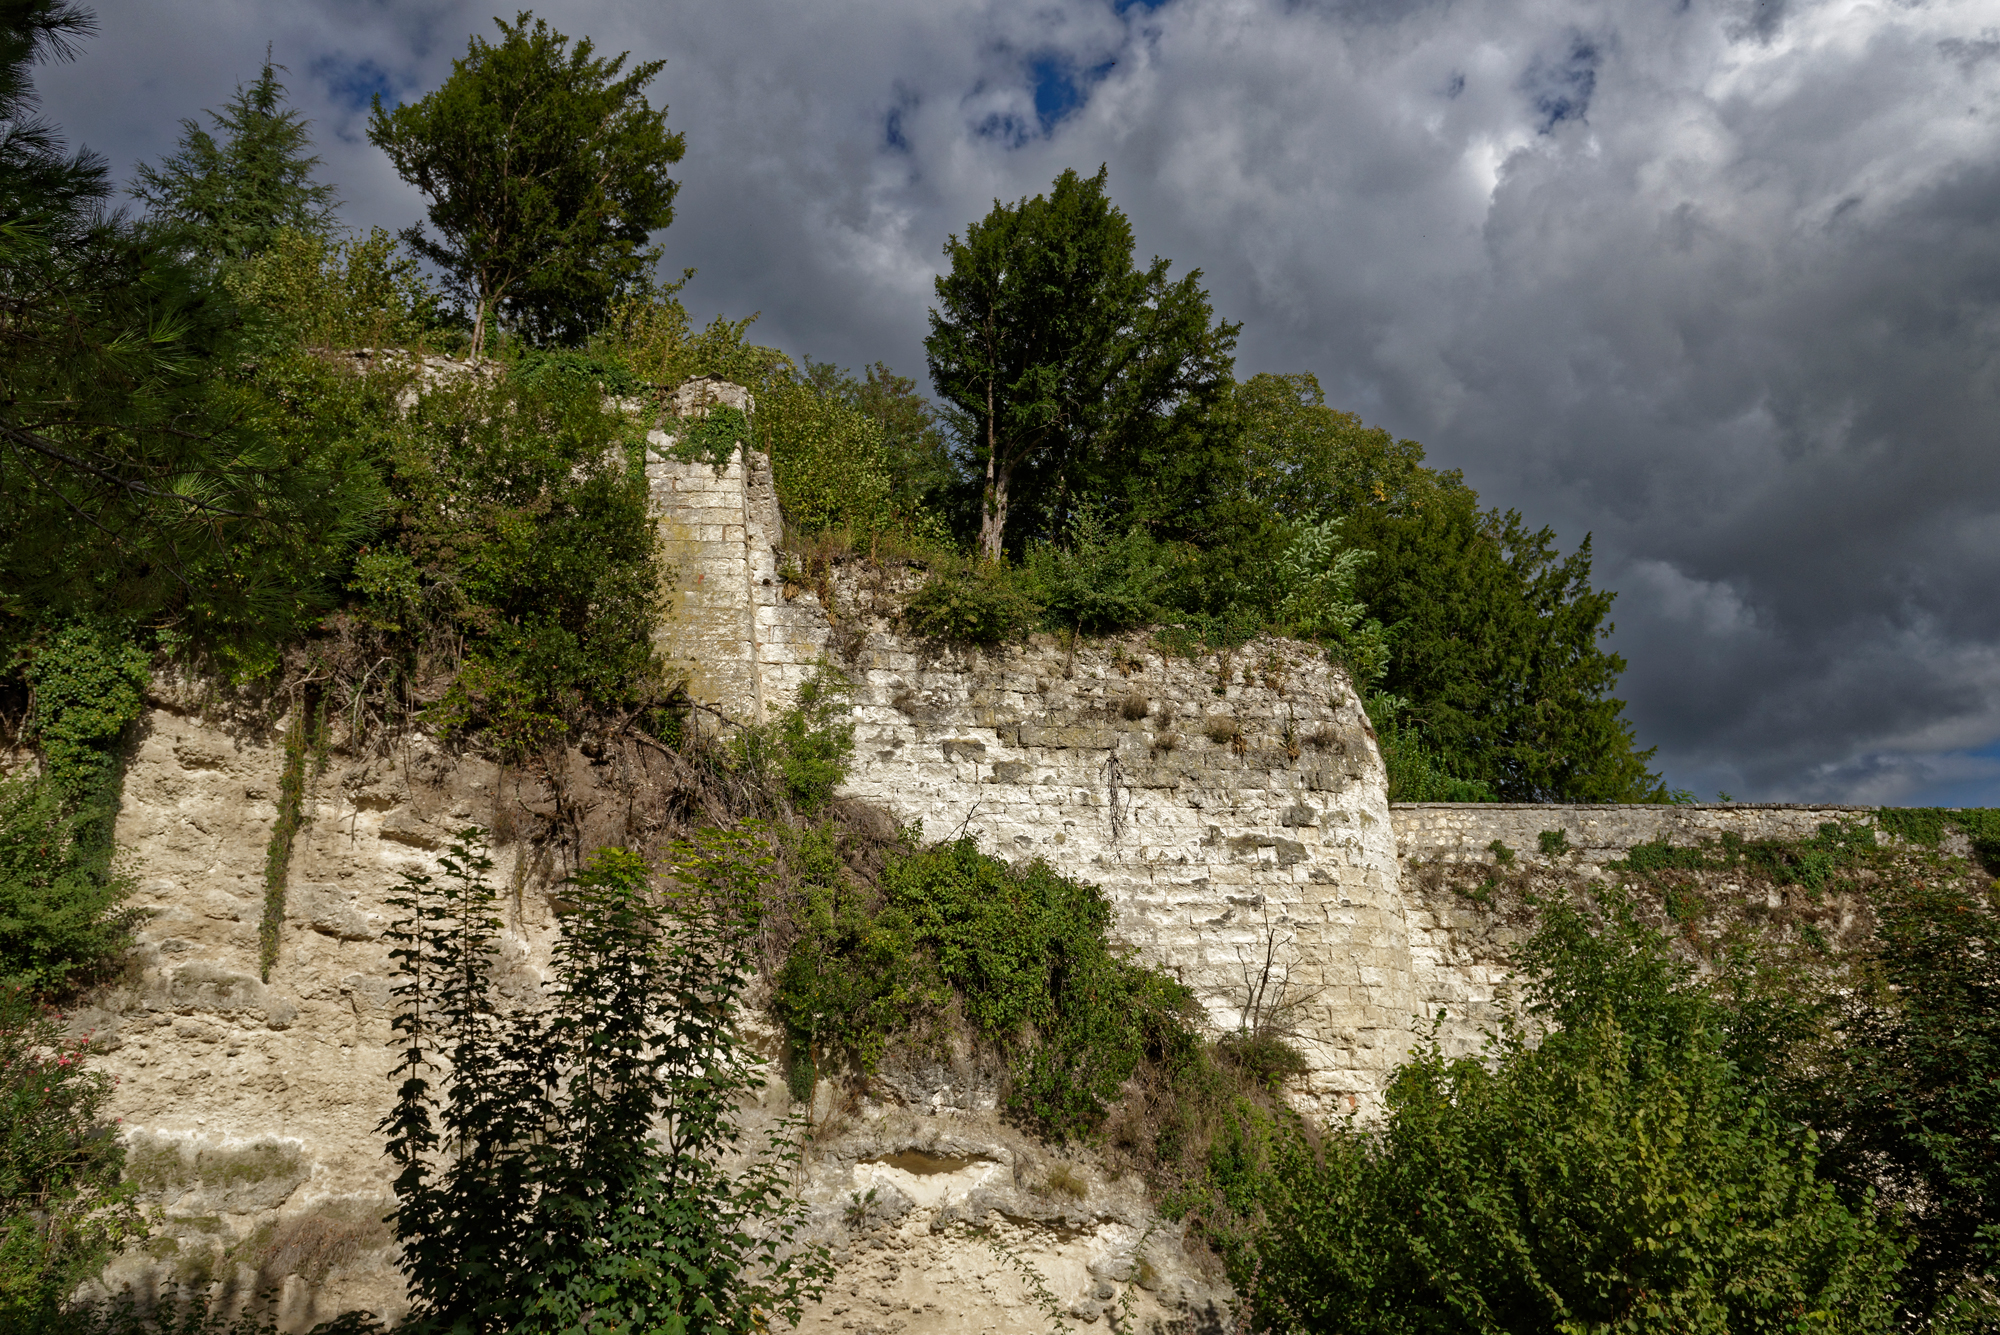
column 803, row 755
column 1416, row 771
column 1895, row 1059
column 90, row 683
column 1098, row 582
column 520, row 532
column 1619, row 1174
column 60, row 915
column 62, row 1210
column 60, row 918
column 713, row 437
column 982, row 604
column 1022, row 953
column 359, row 293
column 567, row 1173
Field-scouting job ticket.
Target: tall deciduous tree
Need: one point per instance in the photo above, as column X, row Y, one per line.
column 229, row 197
column 546, row 171
column 1060, row 358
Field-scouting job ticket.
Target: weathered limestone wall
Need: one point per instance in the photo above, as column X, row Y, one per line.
column 1468, row 913
column 1600, row 832
column 1233, row 808
column 741, row 644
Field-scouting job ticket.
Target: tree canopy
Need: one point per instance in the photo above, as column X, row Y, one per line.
column 545, row 168
column 1063, row 362
column 229, row 198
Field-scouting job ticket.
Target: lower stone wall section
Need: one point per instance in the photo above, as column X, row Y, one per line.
column 1600, row 833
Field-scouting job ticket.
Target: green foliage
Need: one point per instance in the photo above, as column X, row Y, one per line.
column 1837, row 846
column 652, row 333
column 60, row 914
column 62, row 1210
column 1895, row 1060
column 581, row 1186
column 307, row 726
column 521, row 530
column 1022, row 955
column 1497, row 649
column 855, row 978
column 545, row 168
column 1417, row 773
column 1619, row 1174
column 713, row 437
column 90, row 683
column 1056, row 353
column 803, row 755
column 828, row 458
column 1098, row 581
column 315, row 291
column 228, row 200
column 1928, row 826
column 978, row 603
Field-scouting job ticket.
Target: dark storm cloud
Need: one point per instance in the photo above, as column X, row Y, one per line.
column 1718, row 282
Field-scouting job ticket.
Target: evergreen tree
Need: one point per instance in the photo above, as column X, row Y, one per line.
column 229, row 198
column 1497, row 671
column 133, row 479
column 1068, row 369
column 546, row 172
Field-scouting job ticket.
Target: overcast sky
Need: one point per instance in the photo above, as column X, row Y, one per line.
column 1716, row 281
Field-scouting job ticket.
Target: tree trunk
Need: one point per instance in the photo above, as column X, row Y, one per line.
column 993, row 519
column 479, row 328
column 993, row 510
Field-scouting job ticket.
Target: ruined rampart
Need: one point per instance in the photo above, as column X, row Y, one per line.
column 1231, row 805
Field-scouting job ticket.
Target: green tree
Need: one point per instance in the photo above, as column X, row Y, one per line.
column 228, row 198
column 546, row 172
column 1063, row 363
column 138, row 474
column 1619, row 1174
column 566, row 1174
column 1498, row 651
column 1904, row 1082
column 1497, row 678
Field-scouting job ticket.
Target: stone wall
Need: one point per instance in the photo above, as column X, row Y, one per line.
column 1599, row 832
column 732, row 632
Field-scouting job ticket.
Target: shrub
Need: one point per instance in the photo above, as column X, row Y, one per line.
column 1097, row 581
column 1621, row 1174
column 520, row 564
column 1416, row 771
column 60, row 919
column 802, row 756
column 62, row 1211
column 1021, row 952
column 358, row 293
column 984, row 605
column 567, row 1173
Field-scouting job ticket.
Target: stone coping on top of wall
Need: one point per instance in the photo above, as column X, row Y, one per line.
column 1597, row 832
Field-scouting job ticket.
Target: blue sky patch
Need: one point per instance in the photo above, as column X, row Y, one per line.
column 1561, row 89
column 892, row 124
column 353, row 84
